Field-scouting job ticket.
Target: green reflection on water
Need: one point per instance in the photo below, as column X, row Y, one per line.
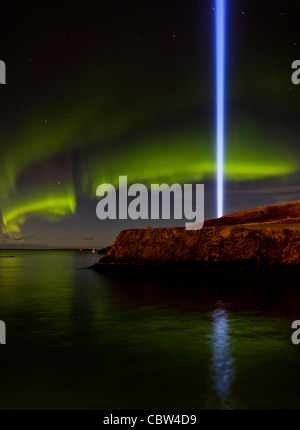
column 78, row 339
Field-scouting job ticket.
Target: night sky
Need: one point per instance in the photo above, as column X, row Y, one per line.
column 100, row 89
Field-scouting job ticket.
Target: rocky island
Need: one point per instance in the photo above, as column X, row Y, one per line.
column 264, row 236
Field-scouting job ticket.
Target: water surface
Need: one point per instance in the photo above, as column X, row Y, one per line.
column 78, row 339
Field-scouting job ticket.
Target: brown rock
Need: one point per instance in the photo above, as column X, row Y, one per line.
column 266, row 236
column 105, row 250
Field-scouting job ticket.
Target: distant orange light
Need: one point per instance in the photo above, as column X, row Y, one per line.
column 93, row 251
column 80, row 249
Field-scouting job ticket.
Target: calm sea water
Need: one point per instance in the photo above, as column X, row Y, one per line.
column 77, row 339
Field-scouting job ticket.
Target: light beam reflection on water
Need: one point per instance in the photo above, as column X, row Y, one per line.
column 222, row 369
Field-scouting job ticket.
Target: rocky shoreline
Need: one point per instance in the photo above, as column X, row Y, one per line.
column 268, row 236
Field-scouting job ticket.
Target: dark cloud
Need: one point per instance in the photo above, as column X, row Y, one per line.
column 269, row 190
column 88, row 238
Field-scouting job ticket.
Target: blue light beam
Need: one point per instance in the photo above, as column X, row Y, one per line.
column 220, row 34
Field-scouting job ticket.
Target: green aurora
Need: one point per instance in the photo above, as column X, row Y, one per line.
column 138, row 107
column 166, row 155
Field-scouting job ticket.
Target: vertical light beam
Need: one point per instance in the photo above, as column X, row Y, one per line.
column 220, row 24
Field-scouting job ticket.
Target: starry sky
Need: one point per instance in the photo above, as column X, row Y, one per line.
column 100, row 89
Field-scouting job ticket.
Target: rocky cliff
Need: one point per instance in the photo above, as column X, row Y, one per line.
column 267, row 235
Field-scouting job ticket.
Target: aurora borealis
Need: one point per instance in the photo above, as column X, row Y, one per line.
column 98, row 90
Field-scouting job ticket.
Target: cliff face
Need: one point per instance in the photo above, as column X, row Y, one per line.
column 266, row 235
